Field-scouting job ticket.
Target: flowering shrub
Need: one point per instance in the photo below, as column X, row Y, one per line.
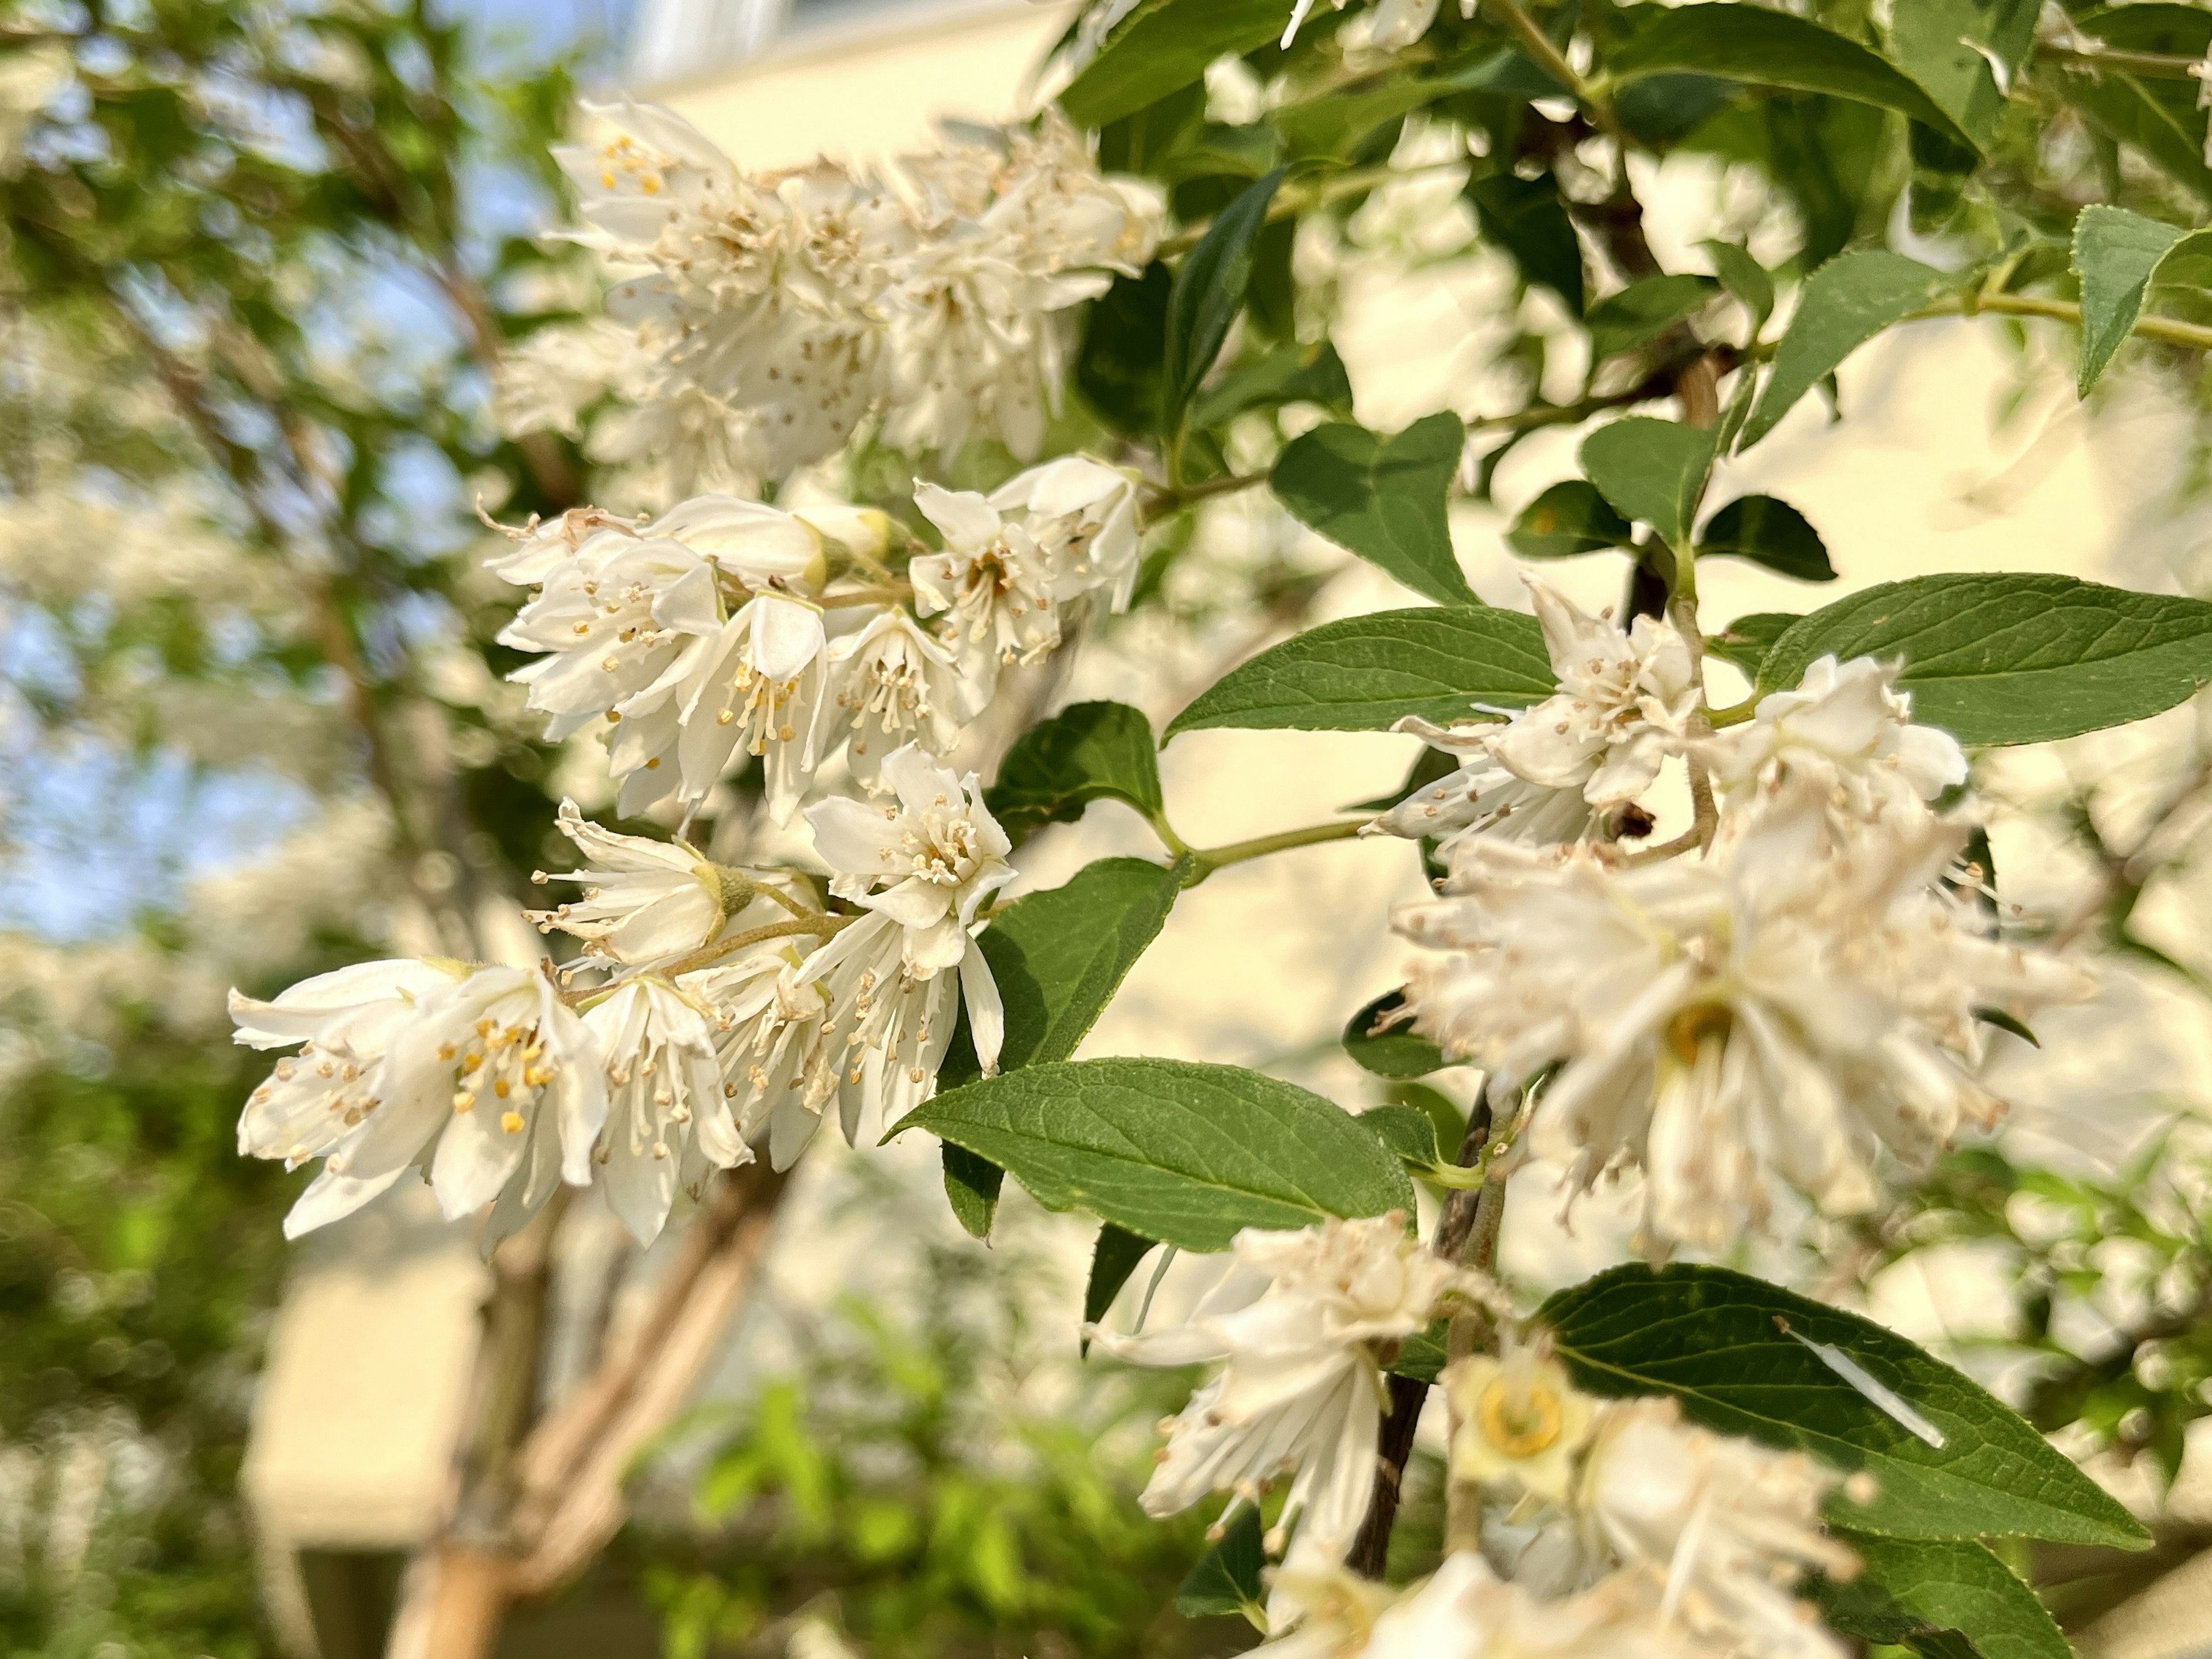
column 1743, row 958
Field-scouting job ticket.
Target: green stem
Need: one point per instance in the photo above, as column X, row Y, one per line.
column 2157, row 65
column 1166, row 831
column 1214, row 858
column 2171, row 330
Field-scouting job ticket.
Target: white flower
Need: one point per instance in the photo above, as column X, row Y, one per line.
column 484, row 1077
column 1785, row 1007
column 1731, row 1524
column 667, row 1121
column 1082, row 517
column 549, row 376
column 1463, row 1611
column 758, row 682
column 1518, row 1419
column 867, row 1017
column 993, row 582
column 1301, row 1319
column 894, row 685
column 1847, row 726
column 1624, row 705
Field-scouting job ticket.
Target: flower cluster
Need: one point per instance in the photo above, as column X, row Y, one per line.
column 725, row 628
column 1804, row 991
column 778, row 313
column 711, row 1031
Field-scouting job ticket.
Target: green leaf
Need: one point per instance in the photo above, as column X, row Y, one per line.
column 1644, row 310
column 1915, row 1587
column 1381, row 498
column 1182, row 1153
column 1289, row 374
column 1396, row 1053
column 1365, row 673
column 971, row 1187
column 1113, row 1257
column 1526, row 218
column 1207, row 294
column 1846, row 302
column 2160, row 117
column 1746, row 640
column 1652, row 471
column 1717, row 1341
column 1407, row 1131
column 1329, row 128
column 1746, row 278
column 2006, row 658
column 1940, row 43
column 2012, row 1022
column 1770, row 532
column 1568, row 518
column 1424, row 1355
column 1162, row 44
column 2118, row 255
column 1226, row 1579
column 1059, row 955
column 1118, row 369
column 1767, row 49
column 1088, row 751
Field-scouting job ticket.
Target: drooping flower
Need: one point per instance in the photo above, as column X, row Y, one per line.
column 1624, row 705
column 1082, row 516
column 1463, row 1611
column 893, row 686
column 992, row 584
column 1847, row 727
column 867, row 1017
column 668, row 1123
column 1303, row 1320
column 484, row 1077
column 1785, row 1007
column 1731, row 1525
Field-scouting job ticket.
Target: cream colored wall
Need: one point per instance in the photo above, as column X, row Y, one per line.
column 870, row 90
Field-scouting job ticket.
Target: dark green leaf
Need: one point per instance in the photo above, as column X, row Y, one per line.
column 2005, row 658
column 1207, row 294
column 1940, row 44
column 1643, row 311
column 1365, row 673
column 1381, row 498
column 1142, row 141
column 1941, row 168
column 1118, row 370
column 1909, row 1587
column 1746, row 640
column 2118, row 255
column 1392, row 1053
column 1661, row 108
column 1652, row 471
column 1161, row 45
column 1407, row 1131
column 1746, row 278
column 971, row 1187
column 1767, row 49
column 1734, row 1351
column 1846, row 302
column 1113, row 1257
column 1770, row 532
column 1827, row 155
column 1568, row 518
column 1059, row 956
column 1088, row 752
column 2005, row 1022
column 1289, row 374
column 1226, row 1579
column 1329, row 128
column 1182, row 1153
column 1526, row 217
